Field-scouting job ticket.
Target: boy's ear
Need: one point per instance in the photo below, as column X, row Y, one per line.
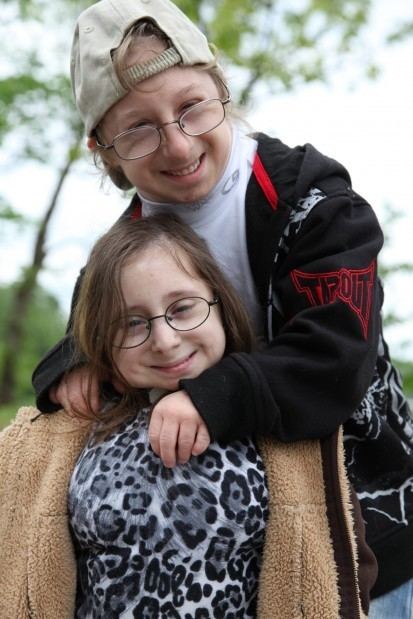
column 91, row 143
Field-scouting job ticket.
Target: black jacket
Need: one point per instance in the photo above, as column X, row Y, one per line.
column 313, row 257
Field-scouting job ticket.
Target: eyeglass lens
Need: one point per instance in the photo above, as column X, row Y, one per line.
column 197, row 120
column 182, row 315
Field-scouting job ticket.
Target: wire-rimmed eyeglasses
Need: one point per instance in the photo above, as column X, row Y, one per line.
column 145, row 139
column 182, row 315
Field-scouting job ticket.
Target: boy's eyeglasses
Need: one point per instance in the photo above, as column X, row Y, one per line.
column 182, row 315
column 146, row 139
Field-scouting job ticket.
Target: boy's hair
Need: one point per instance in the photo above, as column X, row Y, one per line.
column 99, row 31
column 100, row 301
column 139, row 30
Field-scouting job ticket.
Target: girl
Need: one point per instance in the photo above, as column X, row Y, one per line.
column 297, row 242
column 143, row 539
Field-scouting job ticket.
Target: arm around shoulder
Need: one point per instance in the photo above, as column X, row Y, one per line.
column 325, row 318
column 56, row 362
column 50, row 370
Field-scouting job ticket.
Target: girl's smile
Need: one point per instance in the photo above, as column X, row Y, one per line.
column 178, row 366
column 151, row 281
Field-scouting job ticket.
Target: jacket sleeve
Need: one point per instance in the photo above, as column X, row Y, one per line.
column 56, row 362
column 316, row 370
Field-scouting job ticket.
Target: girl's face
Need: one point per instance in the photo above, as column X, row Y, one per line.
column 150, row 282
column 184, row 169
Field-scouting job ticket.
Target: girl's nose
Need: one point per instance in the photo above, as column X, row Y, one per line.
column 163, row 337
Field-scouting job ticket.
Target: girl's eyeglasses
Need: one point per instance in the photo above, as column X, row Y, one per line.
column 182, row 315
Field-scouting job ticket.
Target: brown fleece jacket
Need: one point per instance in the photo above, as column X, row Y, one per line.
column 37, row 562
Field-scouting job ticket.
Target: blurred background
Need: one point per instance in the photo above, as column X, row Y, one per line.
column 336, row 74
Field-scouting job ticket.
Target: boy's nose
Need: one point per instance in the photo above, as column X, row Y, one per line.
column 175, row 142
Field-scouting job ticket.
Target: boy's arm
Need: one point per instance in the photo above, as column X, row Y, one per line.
column 318, row 367
column 50, row 371
column 57, row 361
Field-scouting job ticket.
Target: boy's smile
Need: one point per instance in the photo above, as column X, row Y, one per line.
column 184, row 168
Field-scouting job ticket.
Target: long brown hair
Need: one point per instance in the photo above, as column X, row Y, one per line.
column 101, row 302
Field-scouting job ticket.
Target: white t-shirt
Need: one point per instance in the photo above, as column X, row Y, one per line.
column 219, row 218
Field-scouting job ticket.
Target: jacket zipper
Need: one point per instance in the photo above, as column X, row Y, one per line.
column 355, row 588
column 30, row 611
column 346, row 564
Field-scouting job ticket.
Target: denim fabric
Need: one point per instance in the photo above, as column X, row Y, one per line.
column 397, row 604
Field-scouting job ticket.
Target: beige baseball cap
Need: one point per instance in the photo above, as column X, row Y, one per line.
column 100, row 30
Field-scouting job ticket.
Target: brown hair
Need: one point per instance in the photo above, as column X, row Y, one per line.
column 143, row 28
column 101, row 302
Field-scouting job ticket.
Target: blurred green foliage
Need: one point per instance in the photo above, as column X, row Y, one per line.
column 43, row 327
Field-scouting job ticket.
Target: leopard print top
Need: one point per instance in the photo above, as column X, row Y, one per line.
column 154, row 542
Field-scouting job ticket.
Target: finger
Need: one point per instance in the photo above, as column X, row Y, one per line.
column 202, row 440
column 61, row 395
column 53, row 396
column 65, row 404
column 68, row 397
column 168, row 438
column 186, row 441
column 154, row 431
column 63, row 398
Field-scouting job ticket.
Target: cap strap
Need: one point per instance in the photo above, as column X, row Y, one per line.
column 139, row 72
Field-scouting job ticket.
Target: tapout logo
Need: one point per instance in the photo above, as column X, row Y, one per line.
column 351, row 286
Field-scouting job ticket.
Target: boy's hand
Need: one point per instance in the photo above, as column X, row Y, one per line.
column 176, row 429
column 72, row 392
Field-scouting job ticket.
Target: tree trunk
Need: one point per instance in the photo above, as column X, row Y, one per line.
column 14, row 323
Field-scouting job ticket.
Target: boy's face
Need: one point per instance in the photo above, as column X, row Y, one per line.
column 150, row 283
column 184, row 169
